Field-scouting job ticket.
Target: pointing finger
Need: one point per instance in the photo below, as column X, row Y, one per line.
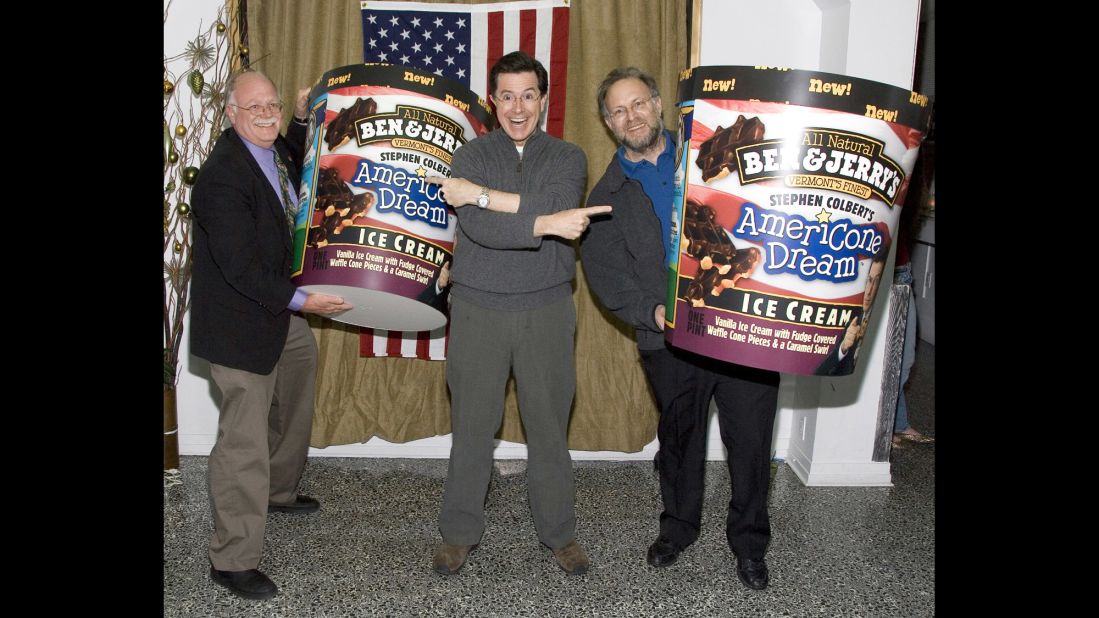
column 595, row 210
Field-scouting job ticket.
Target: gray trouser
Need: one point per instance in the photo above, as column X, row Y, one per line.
column 262, row 443
column 537, row 345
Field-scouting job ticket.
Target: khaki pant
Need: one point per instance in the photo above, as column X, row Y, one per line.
column 263, row 439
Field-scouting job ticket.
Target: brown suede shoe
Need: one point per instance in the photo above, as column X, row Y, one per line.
column 449, row 558
column 572, row 558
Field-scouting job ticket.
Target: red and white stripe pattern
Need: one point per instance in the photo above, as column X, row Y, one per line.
column 424, row 345
column 542, row 30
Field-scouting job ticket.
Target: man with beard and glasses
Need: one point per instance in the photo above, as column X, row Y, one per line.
column 625, row 257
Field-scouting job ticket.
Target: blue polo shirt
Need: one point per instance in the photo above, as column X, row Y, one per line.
column 658, row 181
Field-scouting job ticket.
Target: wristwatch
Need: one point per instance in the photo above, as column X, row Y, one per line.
column 482, row 200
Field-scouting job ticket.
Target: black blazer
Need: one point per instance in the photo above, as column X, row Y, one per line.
column 242, row 253
column 437, row 300
column 833, row 366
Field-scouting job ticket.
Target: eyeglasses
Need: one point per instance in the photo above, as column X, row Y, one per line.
column 637, row 106
column 507, row 98
column 257, row 109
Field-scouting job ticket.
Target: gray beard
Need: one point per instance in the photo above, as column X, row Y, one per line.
column 648, row 142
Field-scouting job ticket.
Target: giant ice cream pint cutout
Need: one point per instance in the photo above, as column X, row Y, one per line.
column 371, row 229
column 789, row 190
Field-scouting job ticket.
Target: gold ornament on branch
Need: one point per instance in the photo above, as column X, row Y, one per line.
column 190, row 174
column 195, row 80
column 168, row 88
column 181, row 130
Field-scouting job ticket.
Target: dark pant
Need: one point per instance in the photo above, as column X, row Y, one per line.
column 485, row 346
column 746, row 401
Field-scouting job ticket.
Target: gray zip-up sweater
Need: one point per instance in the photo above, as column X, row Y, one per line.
column 624, row 255
column 498, row 262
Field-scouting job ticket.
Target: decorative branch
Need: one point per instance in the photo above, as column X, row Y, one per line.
column 194, row 112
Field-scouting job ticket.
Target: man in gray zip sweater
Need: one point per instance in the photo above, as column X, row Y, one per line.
column 512, row 311
column 625, row 259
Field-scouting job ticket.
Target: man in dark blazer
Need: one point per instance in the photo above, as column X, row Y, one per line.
column 437, row 291
column 246, row 320
column 841, row 360
column 625, row 258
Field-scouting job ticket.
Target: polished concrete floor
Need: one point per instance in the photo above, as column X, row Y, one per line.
column 835, row 551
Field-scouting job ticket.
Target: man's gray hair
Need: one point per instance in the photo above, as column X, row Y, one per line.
column 618, row 75
column 231, row 83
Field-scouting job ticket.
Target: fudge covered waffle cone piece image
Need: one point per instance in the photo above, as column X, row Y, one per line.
column 717, row 155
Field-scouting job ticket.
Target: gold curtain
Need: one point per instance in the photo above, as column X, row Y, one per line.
column 400, row 399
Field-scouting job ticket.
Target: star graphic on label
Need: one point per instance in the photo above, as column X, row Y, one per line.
column 421, row 172
column 824, row 216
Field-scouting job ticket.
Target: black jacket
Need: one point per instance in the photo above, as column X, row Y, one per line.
column 623, row 255
column 242, row 253
column 833, row 366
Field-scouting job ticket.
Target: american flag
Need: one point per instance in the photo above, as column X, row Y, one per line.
column 462, row 42
column 425, row 345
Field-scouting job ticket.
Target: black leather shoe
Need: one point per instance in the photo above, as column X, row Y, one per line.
column 302, row 504
column 663, row 552
column 753, row 573
column 250, row 584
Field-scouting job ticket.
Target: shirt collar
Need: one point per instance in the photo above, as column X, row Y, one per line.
column 262, row 155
